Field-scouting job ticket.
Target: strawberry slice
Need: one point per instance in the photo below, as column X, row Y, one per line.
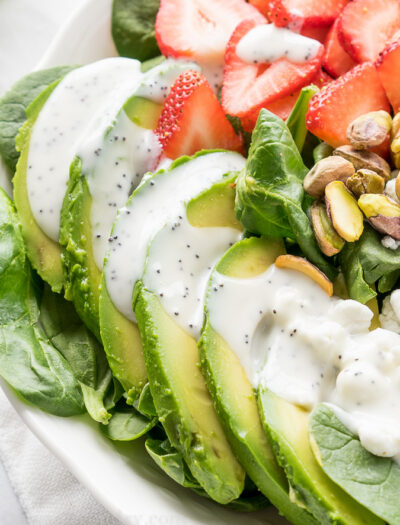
column 200, row 29
column 388, row 65
column 248, row 87
column 366, row 26
column 303, row 13
column 261, row 5
column 336, row 61
column 283, row 106
column 192, row 119
column 317, row 33
column 353, row 94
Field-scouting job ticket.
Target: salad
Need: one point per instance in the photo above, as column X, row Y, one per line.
column 203, row 249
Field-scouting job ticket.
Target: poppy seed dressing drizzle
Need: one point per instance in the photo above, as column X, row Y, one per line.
column 308, row 348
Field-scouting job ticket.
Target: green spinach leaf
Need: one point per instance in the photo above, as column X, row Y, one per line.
column 29, row 363
column 81, row 349
column 133, row 30
column 127, row 424
column 13, row 108
column 296, row 121
column 366, row 261
column 371, row 480
column 269, row 190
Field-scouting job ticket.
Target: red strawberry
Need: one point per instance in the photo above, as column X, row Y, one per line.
column 247, row 87
column 200, row 29
column 303, row 13
column 366, row 26
column 388, row 66
column 261, row 5
column 317, row 33
column 353, row 94
column 336, row 60
column 192, row 119
column 283, row 106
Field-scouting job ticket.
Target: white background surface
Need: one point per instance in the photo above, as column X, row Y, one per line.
column 26, row 29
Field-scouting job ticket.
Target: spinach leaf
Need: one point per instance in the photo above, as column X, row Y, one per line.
column 364, row 262
column 13, row 108
column 322, row 151
column 269, row 191
column 388, row 281
column 127, row 424
column 371, row 480
column 132, row 28
column 29, row 363
column 171, row 462
column 296, row 121
column 80, row 348
column 145, row 403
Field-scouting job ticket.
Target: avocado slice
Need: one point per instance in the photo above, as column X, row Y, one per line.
column 129, row 148
column 371, row 480
column 76, row 234
column 119, row 331
column 232, row 392
column 180, row 395
column 287, row 427
column 44, row 253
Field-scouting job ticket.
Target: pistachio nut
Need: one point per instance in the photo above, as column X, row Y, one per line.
column 328, row 239
column 369, row 130
column 382, row 212
column 395, row 141
column 344, row 212
column 364, row 160
column 373, row 204
column 300, row 264
column 365, row 181
column 326, row 171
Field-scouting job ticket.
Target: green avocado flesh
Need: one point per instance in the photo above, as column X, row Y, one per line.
column 233, row 393
column 123, row 346
column 373, row 481
column 182, row 401
column 181, row 398
column 82, row 274
column 287, row 427
column 43, row 252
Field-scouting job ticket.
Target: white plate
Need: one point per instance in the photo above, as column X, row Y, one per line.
column 121, row 476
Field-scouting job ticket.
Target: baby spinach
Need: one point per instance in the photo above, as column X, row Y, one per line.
column 296, row 121
column 371, row 480
column 366, row 261
column 29, row 363
column 80, row 348
column 127, row 424
column 270, row 191
column 133, row 30
column 13, row 108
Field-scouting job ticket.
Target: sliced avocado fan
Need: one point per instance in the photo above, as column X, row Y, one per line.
column 373, row 481
column 108, row 166
column 157, row 209
column 232, row 392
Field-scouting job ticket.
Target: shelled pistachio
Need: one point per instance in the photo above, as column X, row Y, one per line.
column 327, row 237
column 395, row 141
column 326, row 171
column 369, row 130
column 382, row 213
column 343, row 210
column 364, row 160
column 365, row 181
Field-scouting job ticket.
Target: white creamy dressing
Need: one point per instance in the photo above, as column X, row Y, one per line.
column 60, row 127
column 118, row 152
column 179, row 263
column 158, row 202
column 268, row 43
column 309, row 348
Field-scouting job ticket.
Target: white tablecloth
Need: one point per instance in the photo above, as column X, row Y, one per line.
column 35, row 488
